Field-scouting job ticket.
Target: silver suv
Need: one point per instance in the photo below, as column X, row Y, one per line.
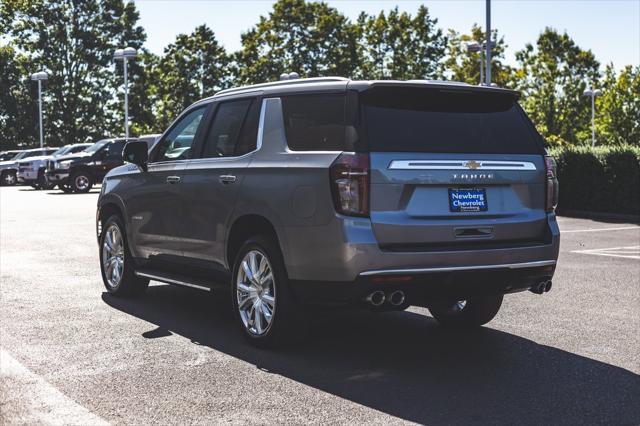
column 329, row 191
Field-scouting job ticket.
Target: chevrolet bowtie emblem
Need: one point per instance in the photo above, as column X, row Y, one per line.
column 472, row 164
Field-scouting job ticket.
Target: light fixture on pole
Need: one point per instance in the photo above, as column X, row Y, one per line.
column 128, row 53
column 40, row 77
column 476, row 47
column 593, row 93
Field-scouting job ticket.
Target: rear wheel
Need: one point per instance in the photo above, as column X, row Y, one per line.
column 264, row 305
column 116, row 262
column 81, row 181
column 8, row 178
column 465, row 314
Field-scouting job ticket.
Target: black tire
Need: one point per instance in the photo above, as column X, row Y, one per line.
column 81, row 181
column 473, row 313
column 65, row 187
column 129, row 284
column 8, row 178
column 288, row 324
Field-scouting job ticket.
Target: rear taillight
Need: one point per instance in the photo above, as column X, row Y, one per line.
column 349, row 176
column 551, row 182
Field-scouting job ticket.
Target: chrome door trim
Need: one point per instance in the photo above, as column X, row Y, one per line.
column 459, row 268
column 460, row 165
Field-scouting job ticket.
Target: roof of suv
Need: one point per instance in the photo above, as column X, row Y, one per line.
column 303, row 85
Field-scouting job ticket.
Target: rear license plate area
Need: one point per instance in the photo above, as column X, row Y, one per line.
column 467, row 200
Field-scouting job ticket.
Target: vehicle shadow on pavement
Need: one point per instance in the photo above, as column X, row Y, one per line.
column 403, row 364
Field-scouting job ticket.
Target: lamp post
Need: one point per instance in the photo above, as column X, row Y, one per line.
column 488, row 44
column 593, row 93
column 128, row 53
column 40, row 77
column 479, row 48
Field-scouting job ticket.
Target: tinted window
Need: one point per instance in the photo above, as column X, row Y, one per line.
column 225, row 130
column 114, row 149
column 249, row 135
column 314, row 122
column 446, row 121
column 177, row 144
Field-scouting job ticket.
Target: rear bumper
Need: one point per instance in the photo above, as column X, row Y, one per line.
column 423, row 288
column 345, row 253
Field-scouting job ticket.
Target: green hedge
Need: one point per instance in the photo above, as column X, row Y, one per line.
column 601, row 179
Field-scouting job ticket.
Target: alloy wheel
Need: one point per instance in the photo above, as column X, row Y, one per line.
column 81, row 182
column 256, row 293
column 113, row 256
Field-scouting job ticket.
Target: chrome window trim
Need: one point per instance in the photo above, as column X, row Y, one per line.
column 197, row 161
column 460, row 165
column 459, row 268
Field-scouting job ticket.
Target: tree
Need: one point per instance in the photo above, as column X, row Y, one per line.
column 74, row 41
column 399, row 46
column 618, row 109
column 309, row 38
column 552, row 76
column 18, row 108
column 193, row 66
column 463, row 65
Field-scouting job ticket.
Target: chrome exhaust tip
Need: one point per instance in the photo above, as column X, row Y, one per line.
column 396, row 298
column 538, row 288
column 376, row 298
column 547, row 286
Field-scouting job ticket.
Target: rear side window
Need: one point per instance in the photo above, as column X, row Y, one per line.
column 314, row 122
column 446, row 121
column 225, row 131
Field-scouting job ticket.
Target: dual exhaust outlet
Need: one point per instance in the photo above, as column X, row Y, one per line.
column 541, row 287
column 379, row 297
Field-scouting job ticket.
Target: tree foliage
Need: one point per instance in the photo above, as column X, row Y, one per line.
column 18, row 112
column 463, row 65
column 400, row 46
column 309, row 38
column 618, row 109
column 552, row 76
column 74, row 42
column 83, row 99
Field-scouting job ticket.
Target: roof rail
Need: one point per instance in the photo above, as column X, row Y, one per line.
column 281, row 83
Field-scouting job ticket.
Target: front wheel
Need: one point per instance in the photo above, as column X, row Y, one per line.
column 466, row 314
column 81, row 182
column 116, row 262
column 8, row 178
column 265, row 308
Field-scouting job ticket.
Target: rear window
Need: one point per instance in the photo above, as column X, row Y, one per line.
column 446, row 121
column 314, row 122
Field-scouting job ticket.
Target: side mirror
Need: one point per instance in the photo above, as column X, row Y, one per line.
column 136, row 152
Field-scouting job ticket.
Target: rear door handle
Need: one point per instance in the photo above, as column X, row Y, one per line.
column 173, row 179
column 227, row 178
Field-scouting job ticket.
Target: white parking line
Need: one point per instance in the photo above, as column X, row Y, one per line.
column 29, row 399
column 628, row 252
column 621, row 228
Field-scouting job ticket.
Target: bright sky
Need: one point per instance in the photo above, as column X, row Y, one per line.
column 610, row 28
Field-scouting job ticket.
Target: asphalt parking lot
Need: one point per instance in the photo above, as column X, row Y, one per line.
column 70, row 353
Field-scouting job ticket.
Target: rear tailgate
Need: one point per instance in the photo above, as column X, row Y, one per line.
column 453, row 170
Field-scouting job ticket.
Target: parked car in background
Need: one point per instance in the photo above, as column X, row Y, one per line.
column 9, row 168
column 332, row 191
column 80, row 171
column 8, row 155
column 31, row 171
